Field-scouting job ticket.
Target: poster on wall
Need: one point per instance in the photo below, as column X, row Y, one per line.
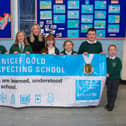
column 5, row 19
column 72, row 18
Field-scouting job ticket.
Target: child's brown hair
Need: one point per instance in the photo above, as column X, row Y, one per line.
column 68, row 41
column 112, row 45
column 91, row 29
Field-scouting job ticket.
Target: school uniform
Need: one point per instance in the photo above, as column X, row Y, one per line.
column 68, row 53
column 114, row 67
column 37, row 45
column 90, row 47
column 20, row 48
column 53, row 50
column 2, row 49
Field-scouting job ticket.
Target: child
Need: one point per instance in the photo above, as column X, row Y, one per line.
column 91, row 45
column 36, row 40
column 21, row 44
column 3, row 50
column 68, row 48
column 114, row 67
column 50, row 46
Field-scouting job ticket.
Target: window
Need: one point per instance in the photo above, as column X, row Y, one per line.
column 26, row 15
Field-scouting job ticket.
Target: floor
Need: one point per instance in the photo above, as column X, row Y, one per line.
column 67, row 116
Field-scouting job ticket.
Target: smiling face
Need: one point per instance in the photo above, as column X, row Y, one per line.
column 112, row 51
column 36, row 30
column 50, row 43
column 20, row 37
column 91, row 36
column 68, row 46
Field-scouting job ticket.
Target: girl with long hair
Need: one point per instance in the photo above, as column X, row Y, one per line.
column 50, row 46
column 21, row 44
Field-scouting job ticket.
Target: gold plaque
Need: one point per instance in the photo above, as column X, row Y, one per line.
column 88, row 69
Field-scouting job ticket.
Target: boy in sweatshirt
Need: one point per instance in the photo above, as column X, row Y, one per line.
column 114, row 67
column 91, row 45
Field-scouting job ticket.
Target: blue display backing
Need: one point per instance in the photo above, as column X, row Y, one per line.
column 5, row 7
column 65, row 30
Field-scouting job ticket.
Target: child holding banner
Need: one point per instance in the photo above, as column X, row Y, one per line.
column 21, row 44
column 91, row 45
column 3, row 50
column 50, row 46
column 114, row 67
column 68, row 48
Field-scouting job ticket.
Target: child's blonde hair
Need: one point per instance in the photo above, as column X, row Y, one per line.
column 25, row 38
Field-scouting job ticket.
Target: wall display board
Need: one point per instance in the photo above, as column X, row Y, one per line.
column 34, row 80
column 6, row 19
column 72, row 18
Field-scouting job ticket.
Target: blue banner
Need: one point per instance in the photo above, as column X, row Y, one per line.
column 47, row 80
column 49, row 65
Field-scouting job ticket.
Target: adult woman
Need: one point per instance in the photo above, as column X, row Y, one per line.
column 36, row 40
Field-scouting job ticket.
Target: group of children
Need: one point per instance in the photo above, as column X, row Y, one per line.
column 37, row 44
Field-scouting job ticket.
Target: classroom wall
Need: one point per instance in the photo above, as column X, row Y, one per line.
column 124, row 61
column 121, row 44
